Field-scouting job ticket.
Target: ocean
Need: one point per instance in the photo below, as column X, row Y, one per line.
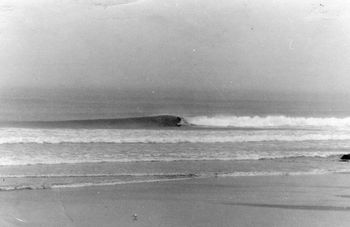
column 58, row 140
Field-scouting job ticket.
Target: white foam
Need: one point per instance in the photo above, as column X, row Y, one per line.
column 48, row 160
column 281, row 173
column 120, row 136
column 117, row 183
column 269, row 121
column 87, row 184
column 99, row 175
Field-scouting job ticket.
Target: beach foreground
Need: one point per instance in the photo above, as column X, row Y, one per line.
column 307, row 200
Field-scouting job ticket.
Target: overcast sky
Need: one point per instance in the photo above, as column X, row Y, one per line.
column 272, row 45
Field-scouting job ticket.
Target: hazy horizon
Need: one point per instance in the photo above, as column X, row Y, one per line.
column 242, row 47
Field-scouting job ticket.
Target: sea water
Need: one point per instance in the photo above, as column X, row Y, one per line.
column 220, row 139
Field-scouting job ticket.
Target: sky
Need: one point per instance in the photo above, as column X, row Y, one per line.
column 222, row 45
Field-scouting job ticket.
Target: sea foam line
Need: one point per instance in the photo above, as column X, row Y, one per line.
column 191, row 176
column 100, row 175
column 282, row 173
column 254, row 157
column 88, row 184
column 169, row 139
column 268, row 121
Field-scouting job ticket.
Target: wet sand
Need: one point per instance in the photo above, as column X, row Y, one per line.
column 310, row 200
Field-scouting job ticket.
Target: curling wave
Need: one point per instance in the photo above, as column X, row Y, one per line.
column 117, row 123
column 164, row 121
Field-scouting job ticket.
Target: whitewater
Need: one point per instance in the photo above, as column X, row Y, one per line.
column 57, row 136
column 270, row 121
column 55, row 154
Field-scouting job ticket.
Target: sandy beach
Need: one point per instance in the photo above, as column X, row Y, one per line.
column 308, row 200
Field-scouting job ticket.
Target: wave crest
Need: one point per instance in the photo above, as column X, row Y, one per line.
column 268, row 121
column 158, row 121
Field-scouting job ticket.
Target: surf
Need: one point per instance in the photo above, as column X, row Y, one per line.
column 226, row 121
column 192, row 122
column 157, row 136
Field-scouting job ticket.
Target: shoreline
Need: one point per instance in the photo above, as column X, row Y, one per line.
column 61, row 181
column 304, row 200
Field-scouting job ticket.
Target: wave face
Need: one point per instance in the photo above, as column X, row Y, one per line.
column 136, row 122
column 269, row 122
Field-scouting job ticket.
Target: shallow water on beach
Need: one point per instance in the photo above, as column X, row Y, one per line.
column 40, row 166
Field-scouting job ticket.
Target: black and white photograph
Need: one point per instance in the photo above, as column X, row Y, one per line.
column 174, row 113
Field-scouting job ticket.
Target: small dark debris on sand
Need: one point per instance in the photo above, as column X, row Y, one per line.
column 345, row 157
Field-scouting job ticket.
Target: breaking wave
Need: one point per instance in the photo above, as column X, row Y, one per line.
column 269, row 121
column 164, row 121
column 228, row 129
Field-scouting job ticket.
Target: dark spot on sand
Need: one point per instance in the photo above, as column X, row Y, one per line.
column 344, row 196
column 345, row 157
